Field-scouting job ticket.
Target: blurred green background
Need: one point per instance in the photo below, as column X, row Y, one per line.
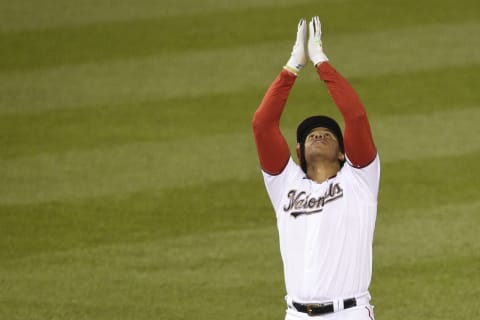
column 129, row 181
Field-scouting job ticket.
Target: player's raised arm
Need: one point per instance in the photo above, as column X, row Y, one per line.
column 272, row 147
column 359, row 145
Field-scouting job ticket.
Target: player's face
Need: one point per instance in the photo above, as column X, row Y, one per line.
column 321, row 142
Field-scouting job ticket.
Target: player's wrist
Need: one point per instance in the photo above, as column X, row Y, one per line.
column 318, row 58
column 293, row 66
column 290, row 70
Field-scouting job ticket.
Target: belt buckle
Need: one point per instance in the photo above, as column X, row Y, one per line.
column 310, row 308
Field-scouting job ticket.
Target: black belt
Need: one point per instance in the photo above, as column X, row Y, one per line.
column 316, row 309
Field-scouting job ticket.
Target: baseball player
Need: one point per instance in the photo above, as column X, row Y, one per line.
column 325, row 206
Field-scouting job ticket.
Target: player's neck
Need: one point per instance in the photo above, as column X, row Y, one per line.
column 322, row 171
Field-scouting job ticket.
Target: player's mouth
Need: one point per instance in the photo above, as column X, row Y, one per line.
column 319, row 141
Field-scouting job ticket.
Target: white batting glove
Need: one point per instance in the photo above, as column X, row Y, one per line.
column 298, row 58
column 315, row 49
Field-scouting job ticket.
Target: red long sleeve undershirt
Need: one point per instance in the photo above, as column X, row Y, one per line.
column 272, row 147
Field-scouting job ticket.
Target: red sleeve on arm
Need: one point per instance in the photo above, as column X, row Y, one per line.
column 272, row 147
column 359, row 146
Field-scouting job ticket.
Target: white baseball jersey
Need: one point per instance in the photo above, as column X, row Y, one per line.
column 325, row 230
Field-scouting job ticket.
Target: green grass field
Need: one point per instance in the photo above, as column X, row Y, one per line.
column 129, row 181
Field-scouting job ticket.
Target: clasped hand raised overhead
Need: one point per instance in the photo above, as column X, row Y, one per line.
column 303, row 50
